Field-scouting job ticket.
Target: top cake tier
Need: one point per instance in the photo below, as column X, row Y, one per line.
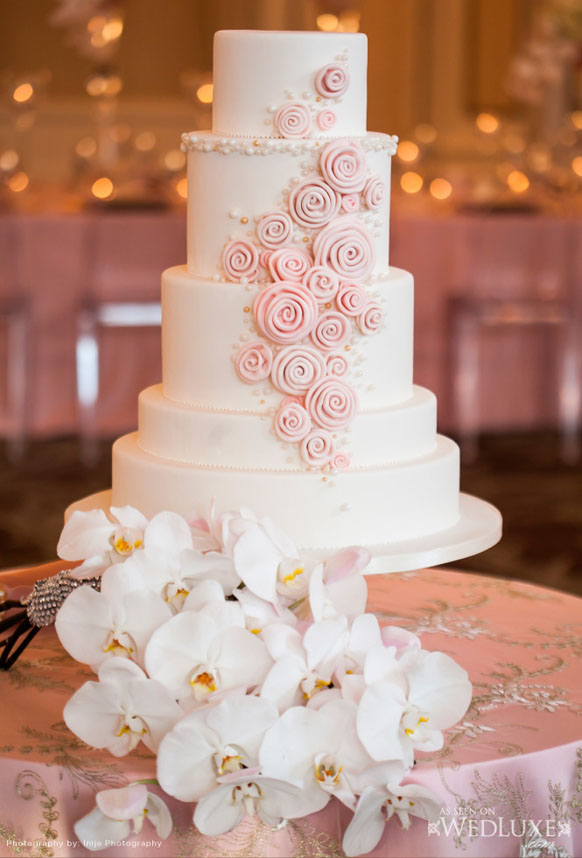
column 289, row 84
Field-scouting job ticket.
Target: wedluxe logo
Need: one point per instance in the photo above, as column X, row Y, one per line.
column 536, row 836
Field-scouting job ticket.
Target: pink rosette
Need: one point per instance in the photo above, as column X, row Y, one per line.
column 351, row 299
column 332, row 403
column 350, row 203
column 336, row 365
column 340, row 461
column 285, row 312
column 296, row 369
column 292, row 422
column 332, row 80
column 343, row 166
column 293, row 120
column 264, row 257
column 322, row 282
column 374, row 192
column 290, row 263
column 318, row 448
column 370, row 321
column 331, row 331
column 253, row 362
column 274, row 229
column 326, row 119
column 313, row 203
column 345, row 246
column 240, row 259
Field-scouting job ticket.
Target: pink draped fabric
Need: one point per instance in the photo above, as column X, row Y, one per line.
column 509, row 776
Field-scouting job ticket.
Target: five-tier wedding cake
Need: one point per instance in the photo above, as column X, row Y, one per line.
column 287, row 337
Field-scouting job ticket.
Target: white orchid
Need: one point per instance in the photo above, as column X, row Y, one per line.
column 211, row 742
column 117, row 621
column 195, row 655
column 122, row 709
column 304, row 665
column 378, row 805
column 409, row 701
column 337, row 587
column 249, row 794
column 319, row 750
column 100, row 541
column 258, row 613
column 121, row 813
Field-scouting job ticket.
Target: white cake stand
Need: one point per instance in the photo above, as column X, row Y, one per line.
column 478, row 528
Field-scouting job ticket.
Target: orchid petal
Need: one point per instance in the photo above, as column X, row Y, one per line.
column 123, row 803
column 346, row 563
column 159, row 815
column 439, row 686
column 256, row 560
column 185, row 766
column 378, row 722
column 86, row 534
column 169, row 532
column 82, row 624
column 216, row 813
column 129, row 516
column 97, row 831
column 176, row 648
column 367, row 826
column 281, row 685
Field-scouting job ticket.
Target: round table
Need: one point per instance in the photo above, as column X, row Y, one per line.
column 509, row 775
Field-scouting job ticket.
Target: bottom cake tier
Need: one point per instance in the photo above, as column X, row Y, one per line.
column 367, row 506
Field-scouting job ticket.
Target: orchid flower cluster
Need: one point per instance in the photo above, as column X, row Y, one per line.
column 253, row 673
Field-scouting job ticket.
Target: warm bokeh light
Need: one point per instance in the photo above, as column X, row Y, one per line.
column 327, row 22
column 9, row 159
column 113, row 85
column 86, row 147
column 577, row 165
column 182, row 187
column 349, row 21
column 205, row 93
column 411, row 183
column 440, row 189
column 576, row 117
column 96, row 85
column 121, row 132
column 514, row 143
column 174, row 159
column 102, row 188
column 18, row 182
column 113, row 29
column 145, row 141
column 517, row 181
column 104, row 30
column 539, row 158
column 487, row 123
column 425, row 133
column 407, row 151
column 23, row 92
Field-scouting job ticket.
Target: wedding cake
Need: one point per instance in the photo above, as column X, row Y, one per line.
column 287, row 338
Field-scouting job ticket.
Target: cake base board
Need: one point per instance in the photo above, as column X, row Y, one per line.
column 478, row 528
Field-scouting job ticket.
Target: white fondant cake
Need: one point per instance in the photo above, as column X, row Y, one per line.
column 287, row 338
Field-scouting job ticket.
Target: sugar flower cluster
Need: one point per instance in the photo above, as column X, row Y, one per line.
column 314, row 300
column 252, row 672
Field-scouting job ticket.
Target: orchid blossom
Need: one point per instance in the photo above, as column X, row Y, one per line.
column 119, row 814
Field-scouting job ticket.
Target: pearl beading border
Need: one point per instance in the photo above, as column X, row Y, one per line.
column 193, row 141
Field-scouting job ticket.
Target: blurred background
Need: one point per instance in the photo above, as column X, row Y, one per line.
column 486, row 98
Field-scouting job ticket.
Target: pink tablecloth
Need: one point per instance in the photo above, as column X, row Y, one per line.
column 447, row 255
column 516, row 757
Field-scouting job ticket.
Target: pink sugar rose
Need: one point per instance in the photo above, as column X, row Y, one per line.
column 317, row 448
column 322, row 282
column 374, row 192
column 240, row 259
column 332, row 80
column 253, row 362
column 331, row 331
column 332, row 403
column 290, row 263
column 274, row 230
column 341, row 461
column 343, row 166
column 292, row 423
column 336, row 365
column 370, row 320
column 351, row 298
column 285, row 312
column 296, row 368
column 345, row 246
column 293, row 120
column 312, row 203
column 350, row 203
column 326, row 119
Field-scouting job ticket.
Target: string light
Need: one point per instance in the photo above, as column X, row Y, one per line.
column 577, row 165
column 9, row 159
column 327, row 22
column 487, row 123
column 440, row 189
column 18, row 182
column 23, row 92
column 517, row 182
column 102, row 188
column 407, row 151
column 205, row 93
column 182, row 188
column 411, row 183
